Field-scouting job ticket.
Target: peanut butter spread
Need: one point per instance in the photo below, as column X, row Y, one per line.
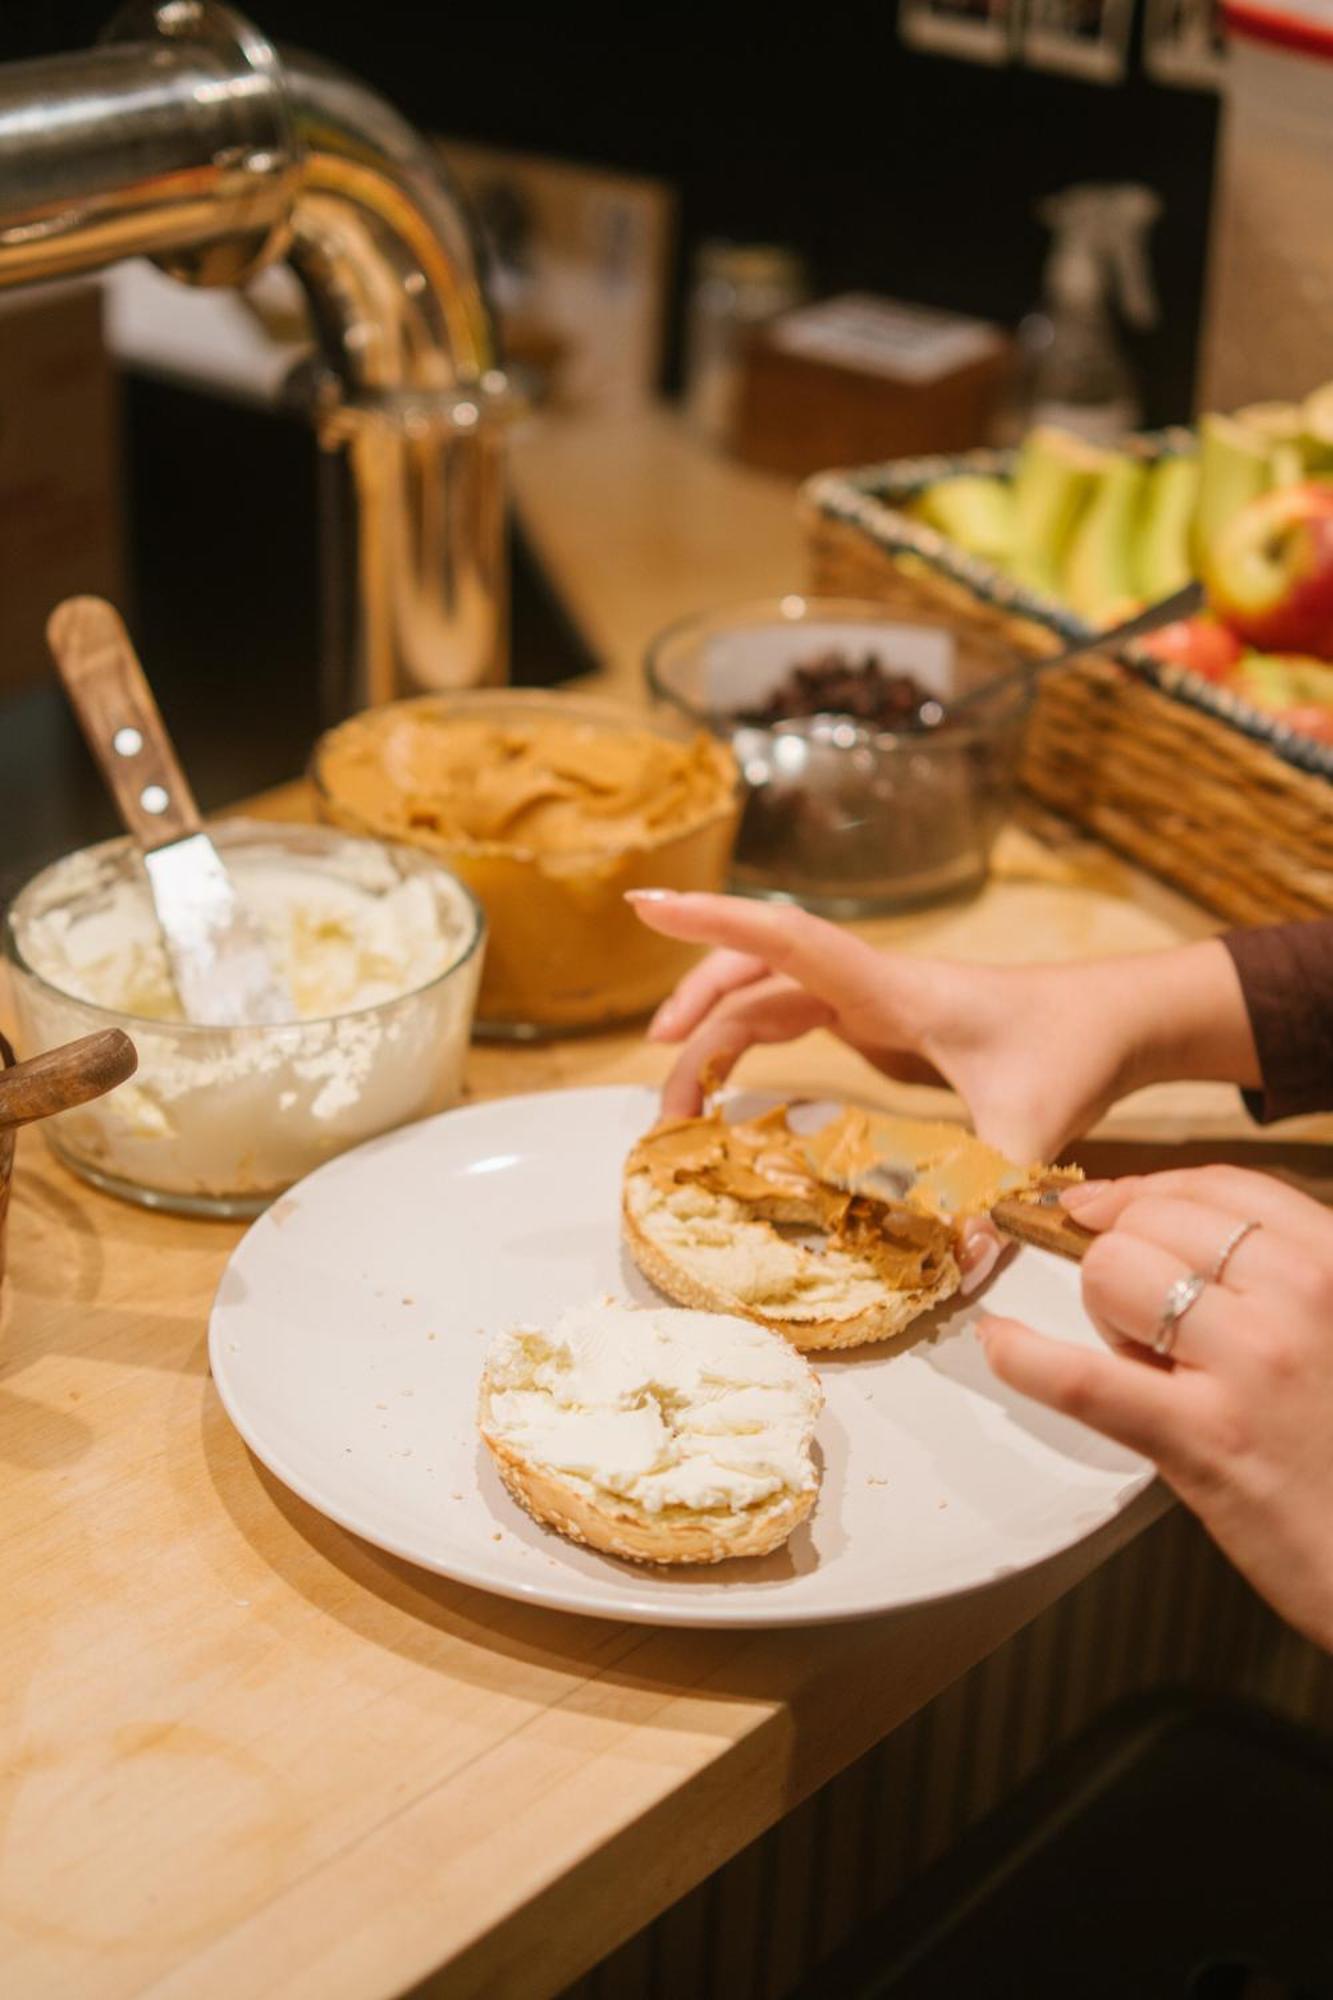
column 937, row 1168
column 539, row 785
column 764, row 1167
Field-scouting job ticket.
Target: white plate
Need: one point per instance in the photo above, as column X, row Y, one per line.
column 347, row 1340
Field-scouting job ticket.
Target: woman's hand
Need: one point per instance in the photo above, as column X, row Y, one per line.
column 1036, row 1052
column 1240, row 1422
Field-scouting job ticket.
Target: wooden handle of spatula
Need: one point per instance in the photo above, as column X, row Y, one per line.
column 1047, row 1228
column 111, row 697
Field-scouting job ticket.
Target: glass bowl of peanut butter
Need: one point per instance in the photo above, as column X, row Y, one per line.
column 549, row 807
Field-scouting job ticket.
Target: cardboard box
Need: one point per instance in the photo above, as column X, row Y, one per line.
column 859, row 378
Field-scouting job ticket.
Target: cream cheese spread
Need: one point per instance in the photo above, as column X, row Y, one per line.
column 659, row 1407
column 726, row 1248
column 224, row 1118
column 338, row 946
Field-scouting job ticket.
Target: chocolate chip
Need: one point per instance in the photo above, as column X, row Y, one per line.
column 834, row 683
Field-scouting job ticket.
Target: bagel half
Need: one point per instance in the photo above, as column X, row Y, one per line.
column 656, row 1435
column 709, row 1213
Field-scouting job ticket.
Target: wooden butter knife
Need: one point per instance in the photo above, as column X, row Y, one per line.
column 1040, row 1219
column 219, row 960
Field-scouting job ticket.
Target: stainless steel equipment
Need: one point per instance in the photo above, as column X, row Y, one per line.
column 186, row 137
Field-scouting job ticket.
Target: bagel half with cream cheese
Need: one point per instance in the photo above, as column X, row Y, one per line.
column 654, row 1434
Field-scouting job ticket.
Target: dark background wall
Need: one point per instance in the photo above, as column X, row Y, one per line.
column 899, row 171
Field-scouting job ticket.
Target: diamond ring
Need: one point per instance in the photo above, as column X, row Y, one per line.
column 1179, row 1298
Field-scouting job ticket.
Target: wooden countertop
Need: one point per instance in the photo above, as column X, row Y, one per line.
column 637, row 524
column 246, row 1754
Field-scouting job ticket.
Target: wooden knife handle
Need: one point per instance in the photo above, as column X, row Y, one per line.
column 1047, row 1228
column 64, row 1077
column 125, row 731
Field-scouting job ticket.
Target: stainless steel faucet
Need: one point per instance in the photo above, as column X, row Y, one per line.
column 186, row 137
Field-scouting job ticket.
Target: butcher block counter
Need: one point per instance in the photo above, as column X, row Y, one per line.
column 245, row 1753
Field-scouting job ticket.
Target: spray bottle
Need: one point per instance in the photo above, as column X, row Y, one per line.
column 1074, row 374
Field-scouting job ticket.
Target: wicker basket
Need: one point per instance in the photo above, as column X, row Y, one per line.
column 1205, row 791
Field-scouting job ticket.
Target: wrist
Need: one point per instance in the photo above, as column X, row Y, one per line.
column 1184, row 1018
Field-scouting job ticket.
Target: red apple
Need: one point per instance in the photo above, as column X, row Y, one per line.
column 1199, row 644
column 1270, row 571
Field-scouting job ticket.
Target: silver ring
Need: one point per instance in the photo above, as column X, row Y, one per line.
column 1180, row 1296
column 1229, row 1249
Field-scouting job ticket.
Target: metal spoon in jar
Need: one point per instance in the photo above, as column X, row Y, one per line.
column 1181, row 604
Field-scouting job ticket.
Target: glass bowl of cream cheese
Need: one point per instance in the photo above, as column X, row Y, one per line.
column 381, row 948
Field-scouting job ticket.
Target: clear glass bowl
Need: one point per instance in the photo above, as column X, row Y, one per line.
column 846, row 819
column 566, row 953
column 218, row 1121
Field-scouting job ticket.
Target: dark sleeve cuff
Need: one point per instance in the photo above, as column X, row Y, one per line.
column 1286, row 976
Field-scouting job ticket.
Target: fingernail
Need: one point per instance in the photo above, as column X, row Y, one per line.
column 978, row 1260
column 661, row 1021
column 651, row 895
column 985, row 1327
column 1083, row 1191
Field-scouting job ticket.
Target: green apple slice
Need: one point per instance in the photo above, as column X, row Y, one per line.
column 1317, row 429
column 1100, row 577
column 1235, row 467
column 1162, row 555
column 975, row 511
column 1054, row 481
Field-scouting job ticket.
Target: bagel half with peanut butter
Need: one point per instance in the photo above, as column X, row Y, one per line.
column 720, row 1215
column 714, row 1215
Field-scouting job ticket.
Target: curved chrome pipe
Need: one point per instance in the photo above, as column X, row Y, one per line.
column 382, row 238
column 187, row 138
column 414, row 407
